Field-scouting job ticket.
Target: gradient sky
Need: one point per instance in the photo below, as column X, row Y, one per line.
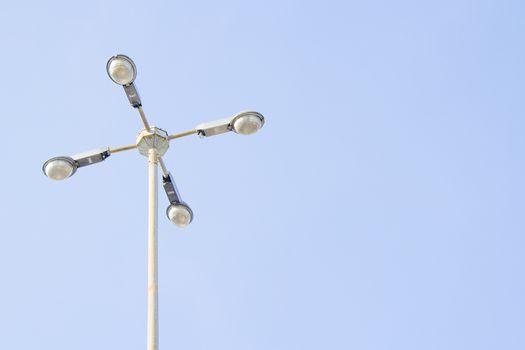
column 381, row 207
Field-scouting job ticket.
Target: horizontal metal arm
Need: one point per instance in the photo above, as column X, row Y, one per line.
column 170, row 137
column 165, row 172
column 122, row 148
column 143, row 117
column 182, row 134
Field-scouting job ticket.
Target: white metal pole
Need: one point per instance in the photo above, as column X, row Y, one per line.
column 153, row 307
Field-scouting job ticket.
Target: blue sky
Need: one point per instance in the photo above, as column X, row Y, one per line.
column 380, row 207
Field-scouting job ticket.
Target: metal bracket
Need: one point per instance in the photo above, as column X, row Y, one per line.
column 171, row 189
column 133, row 95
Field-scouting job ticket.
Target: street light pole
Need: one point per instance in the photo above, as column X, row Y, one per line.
column 153, row 306
column 153, row 143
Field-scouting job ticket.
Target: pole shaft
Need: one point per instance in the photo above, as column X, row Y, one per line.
column 153, row 307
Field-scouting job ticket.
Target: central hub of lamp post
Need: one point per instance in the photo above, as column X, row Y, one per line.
column 153, row 138
column 152, row 142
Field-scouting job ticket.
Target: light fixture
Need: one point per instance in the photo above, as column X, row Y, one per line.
column 244, row 123
column 178, row 211
column 180, row 214
column 59, row 168
column 121, row 69
column 153, row 143
column 247, row 123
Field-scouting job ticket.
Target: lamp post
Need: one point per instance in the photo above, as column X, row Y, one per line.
column 152, row 142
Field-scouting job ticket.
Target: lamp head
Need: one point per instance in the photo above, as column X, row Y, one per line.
column 121, row 69
column 244, row 123
column 247, row 123
column 59, row 168
column 180, row 214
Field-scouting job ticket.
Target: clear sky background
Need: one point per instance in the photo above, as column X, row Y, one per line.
column 381, row 207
